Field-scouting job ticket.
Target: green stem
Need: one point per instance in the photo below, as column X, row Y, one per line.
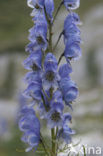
column 44, row 104
column 84, row 150
column 44, row 146
column 60, row 58
column 58, row 9
column 50, row 36
column 46, row 95
column 58, row 40
column 53, row 142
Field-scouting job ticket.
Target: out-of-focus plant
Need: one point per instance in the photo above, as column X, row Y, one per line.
column 50, row 88
column 3, row 126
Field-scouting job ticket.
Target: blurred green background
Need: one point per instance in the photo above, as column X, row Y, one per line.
column 88, row 72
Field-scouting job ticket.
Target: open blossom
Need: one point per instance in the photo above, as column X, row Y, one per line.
column 49, row 85
column 50, row 76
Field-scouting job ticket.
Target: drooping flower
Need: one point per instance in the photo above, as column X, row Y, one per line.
column 72, row 18
column 72, row 51
column 38, row 34
column 49, row 6
column 32, row 77
column 69, row 90
column 33, row 91
column 71, row 32
column 72, row 37
column 54, row 116
column 65, row 134
column 33, row 62
column 71, row 4
column 30, row 125
column 66, row 118
column 50, row 76
column 32, row 47
column 65, row 70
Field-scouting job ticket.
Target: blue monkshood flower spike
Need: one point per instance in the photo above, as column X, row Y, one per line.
column 49, row 85
column 35, row 3
column 49, row 6
column 33, row 62
column 71, row 4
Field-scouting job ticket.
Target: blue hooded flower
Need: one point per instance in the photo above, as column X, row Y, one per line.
column 57, row 104
column 54, row 117
column 33, row 91
column 35, row 3
column 71, row 30
column 30, row 125
column 72, row 51
column 66, row 118
column 71, row 4
column 39, row 34
column 65, row 70
column 69, row 90
column 65, row 134
column 32, row 139
column 26, row 123
column 50, row 76
column 32, row 77
column 49, row 6
column 50, row 62
column 36, row 13
column 72, row 18
column 32, row 47
column 33, row 62
column 39, row 17
column 57, row 95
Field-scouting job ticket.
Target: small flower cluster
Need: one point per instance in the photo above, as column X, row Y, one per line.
column 50, row 87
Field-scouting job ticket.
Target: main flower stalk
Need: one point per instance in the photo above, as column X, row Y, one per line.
column 50, row 88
